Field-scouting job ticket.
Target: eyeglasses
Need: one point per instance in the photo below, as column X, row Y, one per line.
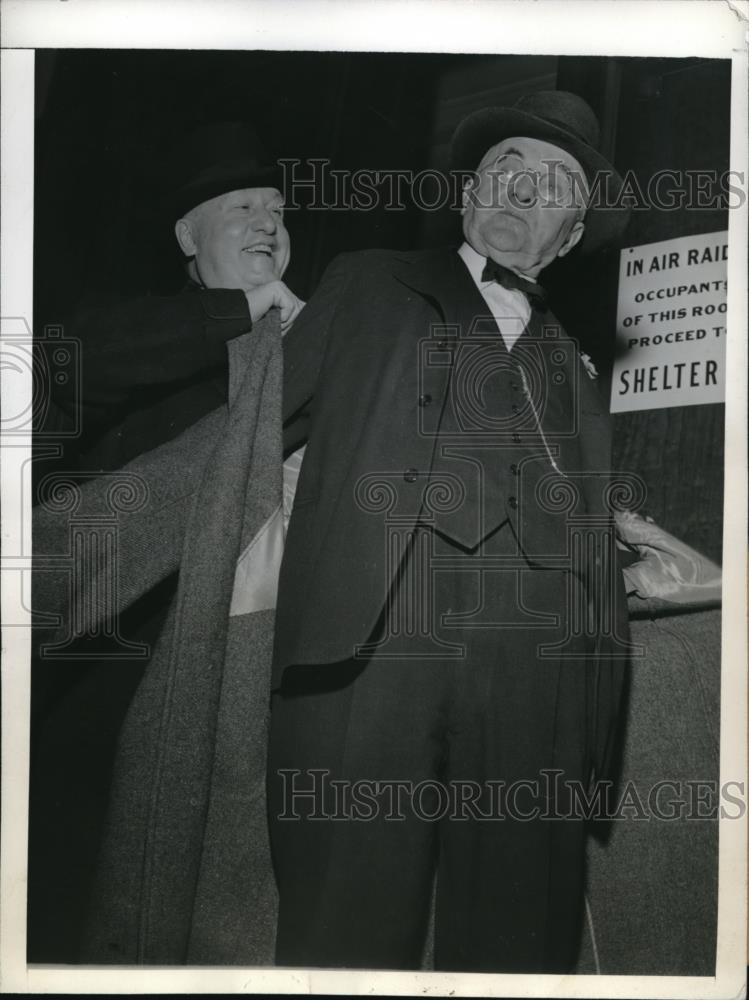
column 553, row 185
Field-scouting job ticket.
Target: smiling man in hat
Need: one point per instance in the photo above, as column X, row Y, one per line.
column 447, row 672
column 152, row 368
column 153, row 365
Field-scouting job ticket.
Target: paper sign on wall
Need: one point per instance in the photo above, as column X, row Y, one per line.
column 671, row 324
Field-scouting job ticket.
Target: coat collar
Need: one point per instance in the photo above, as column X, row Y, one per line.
column 432, row 274
column 440, row 276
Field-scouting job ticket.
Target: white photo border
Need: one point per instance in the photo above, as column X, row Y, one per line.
column 584, row 27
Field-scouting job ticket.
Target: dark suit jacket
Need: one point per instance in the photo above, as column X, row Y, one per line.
column 351, row 386
column 150, row 368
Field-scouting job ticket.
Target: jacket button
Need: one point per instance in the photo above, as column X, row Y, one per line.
column 411, row 475
column 515, row 408
column 425, row 400
column 514, row 385
column 514, row 469
column 513, row 502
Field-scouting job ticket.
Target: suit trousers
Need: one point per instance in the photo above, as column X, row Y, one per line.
column 440, row 759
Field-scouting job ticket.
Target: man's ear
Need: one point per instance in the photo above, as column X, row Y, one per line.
column 183, row 230
column 573, row 238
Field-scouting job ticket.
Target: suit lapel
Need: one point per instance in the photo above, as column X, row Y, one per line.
column 441, row 278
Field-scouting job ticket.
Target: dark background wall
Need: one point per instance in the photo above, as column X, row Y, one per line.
column 105, row 120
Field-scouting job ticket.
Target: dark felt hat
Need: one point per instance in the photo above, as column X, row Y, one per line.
column 216, row 158
column 567, row 121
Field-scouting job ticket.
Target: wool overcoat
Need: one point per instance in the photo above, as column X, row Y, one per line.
column 185, row 873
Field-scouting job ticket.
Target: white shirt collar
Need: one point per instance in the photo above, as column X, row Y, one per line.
column 474, row 262
column 510, row 308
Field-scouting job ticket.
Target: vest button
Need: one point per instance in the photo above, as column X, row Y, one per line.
column 514, row 385
column 514, row 469
column 425, row 400
column 441, row 345
column 411, row 475
column 515, row 408
column 516, row 438
column 513, row 502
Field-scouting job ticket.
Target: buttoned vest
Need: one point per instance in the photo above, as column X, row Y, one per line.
column 504, row 426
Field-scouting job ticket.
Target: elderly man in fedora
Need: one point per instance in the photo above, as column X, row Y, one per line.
column 436, row 701
column 155, row 364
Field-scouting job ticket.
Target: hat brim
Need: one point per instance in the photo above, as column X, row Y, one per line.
column 485, row 128
column 220, row 181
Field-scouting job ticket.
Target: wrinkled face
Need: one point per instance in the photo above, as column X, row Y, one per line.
column 237, row 240
column 524, row 208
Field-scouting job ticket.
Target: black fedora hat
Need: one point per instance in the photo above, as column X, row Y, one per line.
column 213, row 159
column 566, row 121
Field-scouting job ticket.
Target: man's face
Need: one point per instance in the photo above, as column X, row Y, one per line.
column 524, row 211
column 237, row 240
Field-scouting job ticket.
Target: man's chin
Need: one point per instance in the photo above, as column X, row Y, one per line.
column 260, row 274
column 508, row 255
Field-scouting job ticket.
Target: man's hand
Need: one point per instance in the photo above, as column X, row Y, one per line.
column 275, row 293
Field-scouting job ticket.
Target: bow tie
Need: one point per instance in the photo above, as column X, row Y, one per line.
column 508, row 279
